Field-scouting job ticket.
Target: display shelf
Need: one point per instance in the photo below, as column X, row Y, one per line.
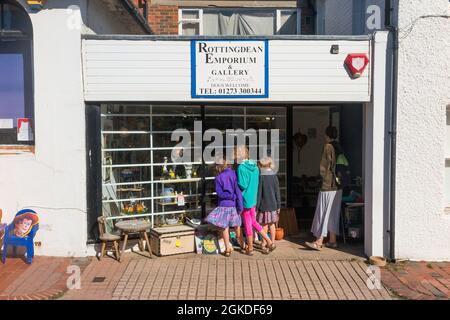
column 174, row 203
column 130, row 189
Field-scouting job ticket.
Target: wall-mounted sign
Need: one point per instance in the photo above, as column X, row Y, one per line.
column 229, row 69
column 24, row 130
column 6, row 123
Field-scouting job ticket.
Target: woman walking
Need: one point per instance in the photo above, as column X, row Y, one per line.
column 328, row 209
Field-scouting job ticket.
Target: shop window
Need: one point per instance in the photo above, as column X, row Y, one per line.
column 238, row 21
column 139, row 178
column 16, row 93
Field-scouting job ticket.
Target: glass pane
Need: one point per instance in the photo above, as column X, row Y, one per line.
column 12, row 96
column 240, row 117
column 15, row 19
column 190, row 14
column 190, row 29
column 239, row 21
column 288, row 23
column 139, row 176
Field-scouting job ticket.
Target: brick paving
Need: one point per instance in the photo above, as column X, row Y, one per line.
column 288, row 273
column 418, row 280
column 215, row 277
column 44, row 279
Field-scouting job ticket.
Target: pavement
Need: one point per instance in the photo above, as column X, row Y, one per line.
column 290, row 272
column 44, row 279
column 219, row 278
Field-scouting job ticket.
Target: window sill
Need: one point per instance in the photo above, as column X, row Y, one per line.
column 15, row 149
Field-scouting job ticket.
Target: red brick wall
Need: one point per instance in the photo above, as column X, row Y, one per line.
column 163, row 19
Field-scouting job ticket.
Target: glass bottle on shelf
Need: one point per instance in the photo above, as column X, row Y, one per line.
column 165, row 172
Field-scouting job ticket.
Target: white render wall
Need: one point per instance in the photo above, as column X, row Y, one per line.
column 422, row 230
column 52, row 181
column 54, row 177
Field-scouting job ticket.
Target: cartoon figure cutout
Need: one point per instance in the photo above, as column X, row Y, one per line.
column 24, row 222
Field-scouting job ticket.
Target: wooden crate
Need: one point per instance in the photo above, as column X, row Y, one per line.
column 167, row 241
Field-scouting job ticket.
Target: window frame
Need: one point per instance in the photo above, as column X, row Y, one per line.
column 278, row 13
column 182, row 20
column 21, row 42
column 298, row 19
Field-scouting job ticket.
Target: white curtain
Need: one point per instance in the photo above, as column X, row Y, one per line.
column 238, row 23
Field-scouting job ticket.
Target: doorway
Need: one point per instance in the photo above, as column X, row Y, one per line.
column 308, row 139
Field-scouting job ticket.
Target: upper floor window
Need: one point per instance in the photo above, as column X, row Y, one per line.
column 16, row 89
column 238, row 21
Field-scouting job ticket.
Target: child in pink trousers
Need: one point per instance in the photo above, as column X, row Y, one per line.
column 248, row 176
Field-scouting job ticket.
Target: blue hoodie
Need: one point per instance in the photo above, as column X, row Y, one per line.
column 248, row 177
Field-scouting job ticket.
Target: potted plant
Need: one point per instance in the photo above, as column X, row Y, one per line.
column 279, row 233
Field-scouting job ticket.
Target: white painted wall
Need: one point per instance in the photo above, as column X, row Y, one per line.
column 53, row 180
column 422, row 227
column 375, row 165
column 159, row 70
column 54, row 177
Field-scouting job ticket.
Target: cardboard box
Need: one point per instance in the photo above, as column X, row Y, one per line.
column 167, row 241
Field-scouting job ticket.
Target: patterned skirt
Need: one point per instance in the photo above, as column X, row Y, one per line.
column 224, row 217
column 267, row 217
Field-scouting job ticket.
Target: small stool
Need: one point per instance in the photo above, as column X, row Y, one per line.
column 106, row 238
column 135, row 226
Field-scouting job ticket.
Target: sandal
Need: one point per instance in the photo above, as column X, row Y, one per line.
column 313, row 246
column 227, row 252
column 248, row 251
column 333, row 245
column 272, row 247
column 265, row 250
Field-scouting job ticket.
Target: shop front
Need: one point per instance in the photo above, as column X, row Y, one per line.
column 140, row 90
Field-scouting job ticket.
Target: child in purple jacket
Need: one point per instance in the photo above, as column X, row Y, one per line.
column 230, row 206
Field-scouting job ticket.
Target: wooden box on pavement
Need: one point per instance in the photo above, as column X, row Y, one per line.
column 171, row 240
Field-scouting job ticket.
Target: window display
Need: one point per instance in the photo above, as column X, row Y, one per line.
column 139, row 177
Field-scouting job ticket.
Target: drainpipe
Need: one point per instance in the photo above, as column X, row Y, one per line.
column 146, row 10
column 393, row 127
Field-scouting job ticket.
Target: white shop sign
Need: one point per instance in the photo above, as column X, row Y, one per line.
column 229, row 69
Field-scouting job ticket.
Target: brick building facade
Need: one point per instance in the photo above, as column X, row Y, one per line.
column 163, row 15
